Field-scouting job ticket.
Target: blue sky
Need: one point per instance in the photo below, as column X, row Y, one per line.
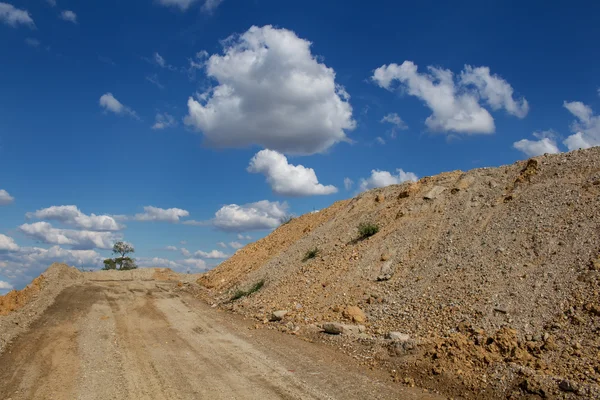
column 191, row 127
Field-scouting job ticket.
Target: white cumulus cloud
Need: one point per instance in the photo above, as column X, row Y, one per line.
column 236, row 245
column 69, row 16
column 213, row 254
column 384, row 178
column 78, row 239
column 12, row 16
column 546, row 143
column 273, row 92
column 248, row 217
column 7, row 243
column 5, row 198
column 586, row 129
column 110, row 103
column 5, row 286
column 287, row 179
column 71, row 215
column 161, row 214
column 455, row 105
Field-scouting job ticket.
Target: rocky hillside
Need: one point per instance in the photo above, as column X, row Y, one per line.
column 491, row 271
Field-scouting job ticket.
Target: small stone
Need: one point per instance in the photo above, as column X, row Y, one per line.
column 434, row 193
column 566, row 386
column 397, row 336
column 355, row 314
column 333, row 328
column 278, row 315
column 380, row 198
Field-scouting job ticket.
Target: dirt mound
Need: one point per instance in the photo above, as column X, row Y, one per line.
column 512, row 253
column 19, row 308
column 56, row 274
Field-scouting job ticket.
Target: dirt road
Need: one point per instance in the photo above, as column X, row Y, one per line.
column 143, row 340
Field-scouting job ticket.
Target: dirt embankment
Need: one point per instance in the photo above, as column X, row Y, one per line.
column 494, row 275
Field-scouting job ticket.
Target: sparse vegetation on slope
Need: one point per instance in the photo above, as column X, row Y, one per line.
column 486, row 270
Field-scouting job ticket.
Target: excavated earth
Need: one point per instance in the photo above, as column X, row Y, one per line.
column 488, row 279
column 144, row 335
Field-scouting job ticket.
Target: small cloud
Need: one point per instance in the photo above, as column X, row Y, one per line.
column 159, row 60
column 106, row 60
column 384, row 178
column 33, row 42
column 236, row 245
column 244, row 237
column 222, row 244
column 5, row 286
column 164, row 121
column 154, row 80
column 394, row 119
column 287, row 179
column 210, row 6
column 171, row 215
column 52, row 3
column 348, row 183
column 5, row 198
column 380, row 140
column 110, row 103
column 14, row 17
column 69, row 16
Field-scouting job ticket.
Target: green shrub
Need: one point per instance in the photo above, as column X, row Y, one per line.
column 366, row 229
column 243, row 293
column 311, row 254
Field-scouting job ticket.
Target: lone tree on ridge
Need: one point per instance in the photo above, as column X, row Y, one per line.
column 122, row 263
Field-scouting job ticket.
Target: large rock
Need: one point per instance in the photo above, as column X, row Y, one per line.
column 355, row 314
column 278, row 315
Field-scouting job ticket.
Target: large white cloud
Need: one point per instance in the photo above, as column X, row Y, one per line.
column 12, row 16
column 161, row 214
column 287, row 179
column 586, row 130
column 79, row 239
column 7, row 243
column 71, row 215
column 5, row 198
column 273, row 92
column 455, row 106
column 248, row 217
column 110, row 103
column 384, row 178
